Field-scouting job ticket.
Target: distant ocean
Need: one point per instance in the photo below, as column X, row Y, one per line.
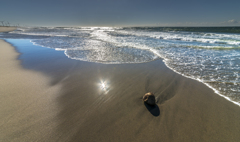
column 210, row 55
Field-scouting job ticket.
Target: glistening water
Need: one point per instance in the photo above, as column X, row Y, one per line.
column 210, row 55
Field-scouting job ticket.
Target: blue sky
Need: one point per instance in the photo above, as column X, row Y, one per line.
column 121, row 12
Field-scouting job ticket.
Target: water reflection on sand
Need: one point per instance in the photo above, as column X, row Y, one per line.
column 104, row 86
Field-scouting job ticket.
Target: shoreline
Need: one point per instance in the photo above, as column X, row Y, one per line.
column 84, row 111
column 163, row 59
column 215, row 90
column 25, row 96
column 159, row 56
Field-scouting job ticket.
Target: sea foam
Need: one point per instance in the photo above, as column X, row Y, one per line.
column 209, row 55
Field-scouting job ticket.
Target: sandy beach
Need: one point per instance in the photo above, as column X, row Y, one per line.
column 64, row 100
column 25, row 100
column 7, row 29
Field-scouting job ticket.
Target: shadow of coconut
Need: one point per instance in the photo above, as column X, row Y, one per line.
column 154, row 110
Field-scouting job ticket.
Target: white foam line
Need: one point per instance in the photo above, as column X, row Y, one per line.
column 197, row 79
column 57, row 49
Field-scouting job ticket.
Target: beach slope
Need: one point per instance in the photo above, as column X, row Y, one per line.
column 7, row 29
column 26, row 99
column 69, row 100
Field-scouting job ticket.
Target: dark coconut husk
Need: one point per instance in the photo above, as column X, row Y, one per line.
column 149, row 98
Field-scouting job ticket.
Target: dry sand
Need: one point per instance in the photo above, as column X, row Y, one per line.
column 27, row 105
column 32, row 109
column 7, row 29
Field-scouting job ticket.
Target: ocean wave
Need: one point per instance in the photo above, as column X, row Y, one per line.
column 209, row 57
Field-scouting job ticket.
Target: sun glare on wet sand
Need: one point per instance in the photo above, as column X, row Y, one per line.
column 104, row 86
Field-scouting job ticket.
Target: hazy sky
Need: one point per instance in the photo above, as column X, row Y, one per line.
column 121, row 12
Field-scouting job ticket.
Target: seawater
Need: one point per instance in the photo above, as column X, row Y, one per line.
column 210, row 55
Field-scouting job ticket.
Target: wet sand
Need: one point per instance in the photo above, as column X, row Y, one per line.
column 74, row 106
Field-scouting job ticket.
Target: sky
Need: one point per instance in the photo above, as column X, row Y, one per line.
column 121, row 12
